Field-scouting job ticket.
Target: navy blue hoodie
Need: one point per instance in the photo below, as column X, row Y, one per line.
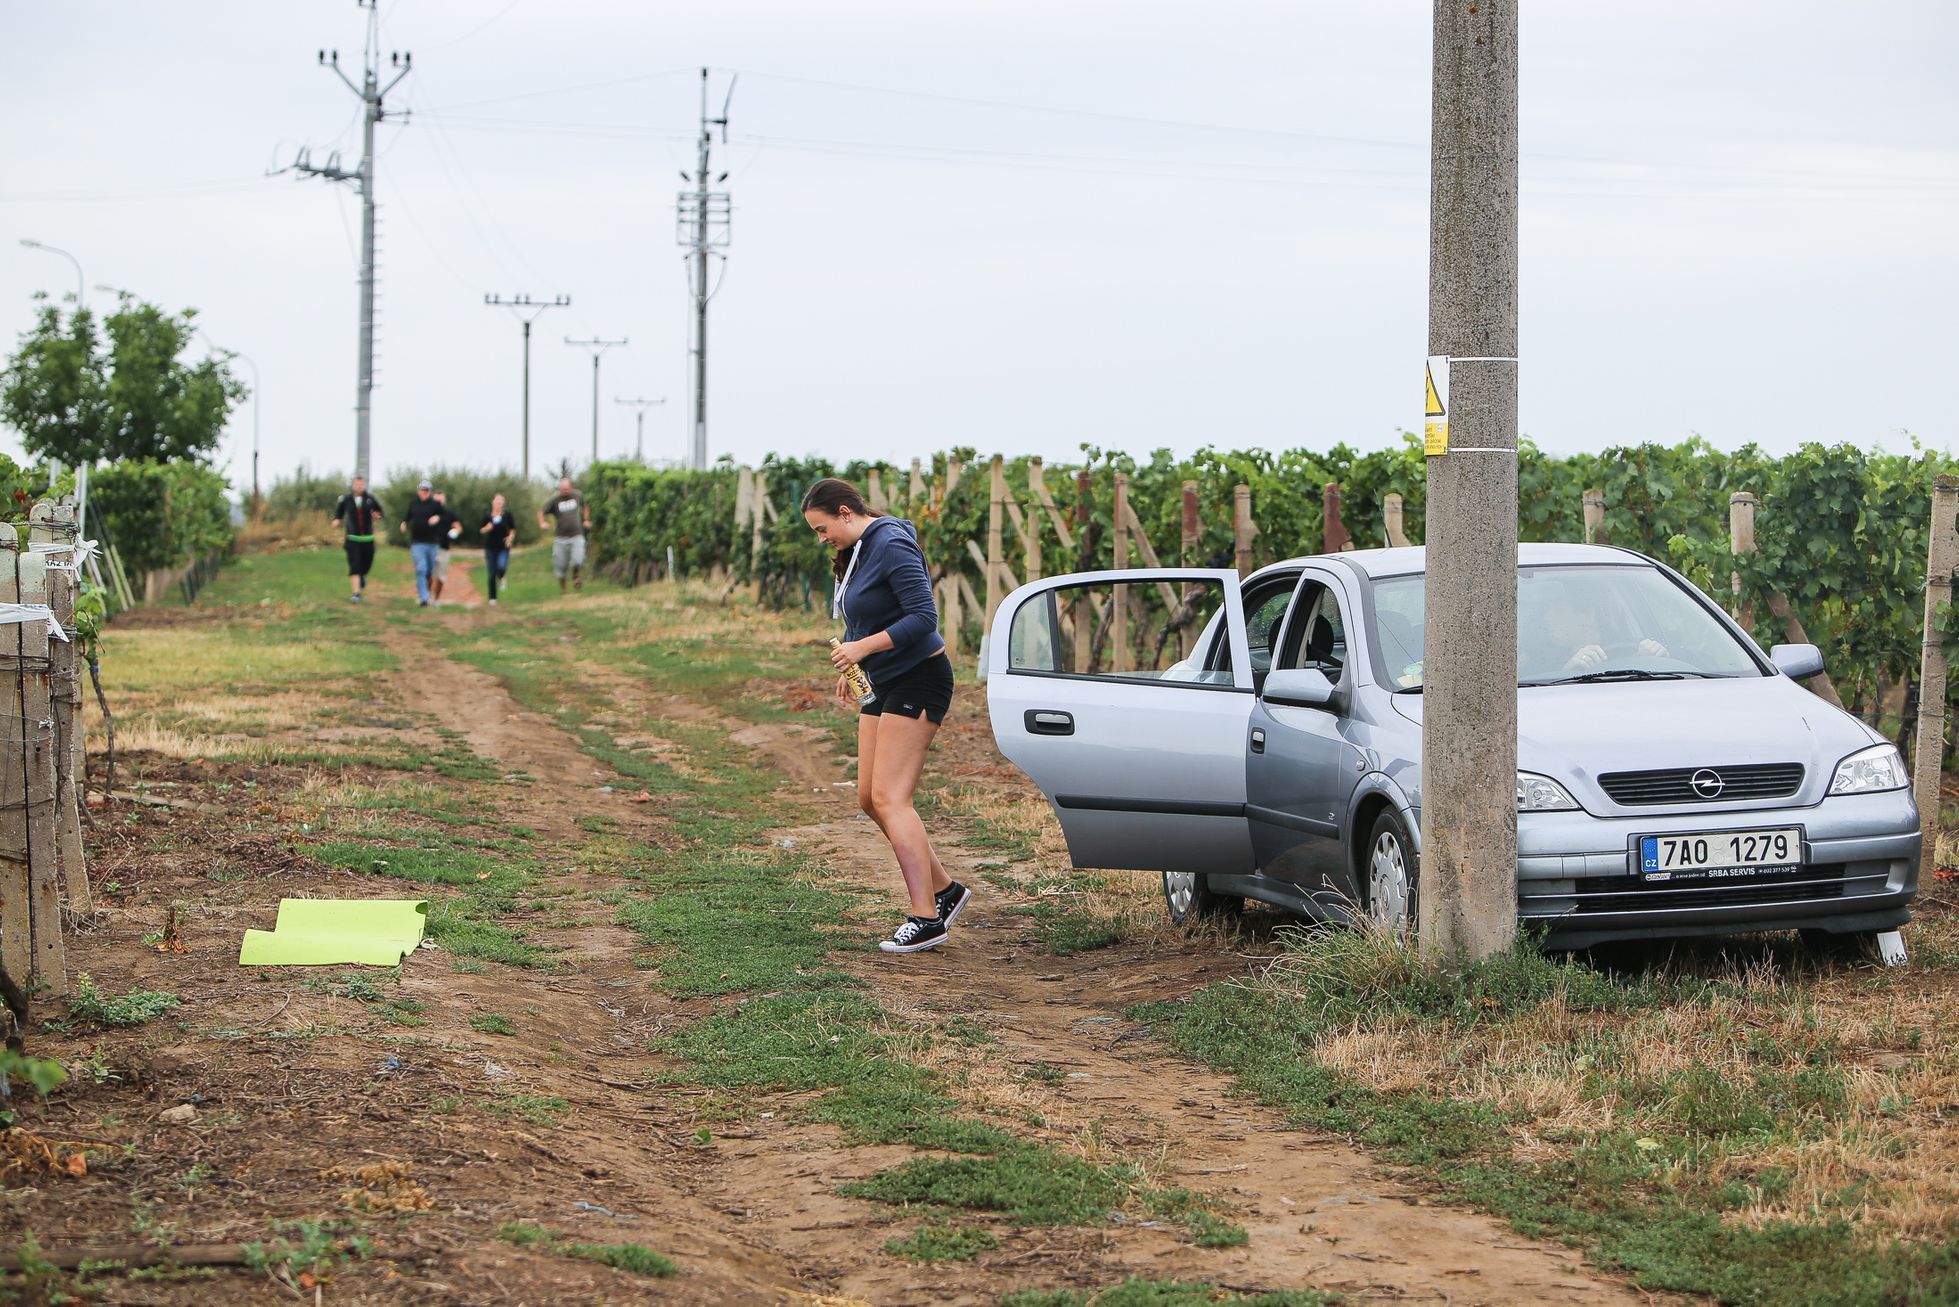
column 890, row 590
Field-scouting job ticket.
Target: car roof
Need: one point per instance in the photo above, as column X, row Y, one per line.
column 1373, row 563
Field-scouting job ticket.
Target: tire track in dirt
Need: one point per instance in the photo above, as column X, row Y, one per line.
column 1319, row 1212
column 624, row 1145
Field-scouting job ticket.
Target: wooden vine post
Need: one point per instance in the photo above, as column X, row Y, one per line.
column 1391, row 511
column 950, row 609
column 53, row 527
column 16, row 923
column 1119, row 593
column 1190, row 543
column 1037, row 494
column 1929, row 753
column 996, row 527
column 1334, row 536
column 1594, row 501
column 1084, row 612
column 1243, row 530
column 1741, row 540
column 31, row 948
column 915, row 491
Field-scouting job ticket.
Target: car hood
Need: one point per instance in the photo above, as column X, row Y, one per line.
column 1574, row 732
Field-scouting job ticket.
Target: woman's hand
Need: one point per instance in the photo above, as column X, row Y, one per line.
column 850, row 651
column 846, row 697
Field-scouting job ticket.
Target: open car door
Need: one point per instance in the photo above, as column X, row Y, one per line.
column 1101, row 690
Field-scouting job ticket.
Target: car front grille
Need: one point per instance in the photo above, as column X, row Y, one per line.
column 1776, row 780
column 1604, row 895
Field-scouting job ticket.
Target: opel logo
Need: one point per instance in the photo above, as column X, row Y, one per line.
column 1708, row 784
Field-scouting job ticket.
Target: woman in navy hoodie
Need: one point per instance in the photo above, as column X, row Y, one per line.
column 884, row 595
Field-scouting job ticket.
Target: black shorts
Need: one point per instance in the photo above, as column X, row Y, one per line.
column 924, row 691
column 360, row 557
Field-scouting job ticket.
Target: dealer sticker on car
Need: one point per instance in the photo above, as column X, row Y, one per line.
column 1720, row 854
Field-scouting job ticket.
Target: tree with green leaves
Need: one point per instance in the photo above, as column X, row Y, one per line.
column 84, row 392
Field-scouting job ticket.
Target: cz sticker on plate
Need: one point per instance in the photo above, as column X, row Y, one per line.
column 1719, row 855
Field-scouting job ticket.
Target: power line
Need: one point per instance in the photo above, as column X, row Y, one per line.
column 372, row 95
column 639, row 406
column 521, row 304
column 559, row 90
column 598, row 347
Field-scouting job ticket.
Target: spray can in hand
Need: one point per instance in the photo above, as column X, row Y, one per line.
column 860, row 684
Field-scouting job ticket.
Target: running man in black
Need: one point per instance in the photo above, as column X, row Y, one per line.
column 356, row 513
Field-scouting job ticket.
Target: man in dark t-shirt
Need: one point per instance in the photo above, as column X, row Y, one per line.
column 568, row 517
column 357, row 512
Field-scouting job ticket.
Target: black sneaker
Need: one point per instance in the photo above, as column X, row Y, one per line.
column 951, row 900
column 915, row 933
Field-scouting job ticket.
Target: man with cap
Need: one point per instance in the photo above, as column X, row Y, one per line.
column 356, row 513
column 426, row 524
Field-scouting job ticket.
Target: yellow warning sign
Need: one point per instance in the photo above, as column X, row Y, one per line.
column 1435, row 419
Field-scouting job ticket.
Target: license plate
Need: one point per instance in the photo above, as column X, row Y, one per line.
column 1718, row 855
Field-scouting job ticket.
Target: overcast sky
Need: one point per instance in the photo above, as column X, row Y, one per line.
column 1015, row 225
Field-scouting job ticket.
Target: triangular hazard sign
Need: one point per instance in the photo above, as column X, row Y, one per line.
column 1435, row 409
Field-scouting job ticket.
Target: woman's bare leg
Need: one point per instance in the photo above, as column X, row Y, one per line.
column 867, row 766
column 890, row 755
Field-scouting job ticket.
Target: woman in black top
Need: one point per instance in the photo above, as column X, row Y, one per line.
column 499, row 532
column 884, row 594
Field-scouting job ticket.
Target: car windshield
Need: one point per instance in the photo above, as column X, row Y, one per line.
column 1578, row 624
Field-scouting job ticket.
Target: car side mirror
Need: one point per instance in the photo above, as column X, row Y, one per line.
column 1798, row 662
column 1300, row 687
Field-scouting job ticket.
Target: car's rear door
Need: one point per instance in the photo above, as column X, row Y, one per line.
column 1138, row 744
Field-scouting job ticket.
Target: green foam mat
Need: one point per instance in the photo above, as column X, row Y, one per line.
column 325, row 932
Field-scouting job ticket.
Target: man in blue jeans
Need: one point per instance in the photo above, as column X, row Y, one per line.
column 426, row 523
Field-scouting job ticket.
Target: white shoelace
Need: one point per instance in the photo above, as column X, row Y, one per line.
column 907, row 932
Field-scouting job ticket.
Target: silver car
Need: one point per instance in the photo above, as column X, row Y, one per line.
column 1263, row 740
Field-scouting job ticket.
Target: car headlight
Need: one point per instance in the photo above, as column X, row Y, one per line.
column 1542, row 794
column 1868, row 771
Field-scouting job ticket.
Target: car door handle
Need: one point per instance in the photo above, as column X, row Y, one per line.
column 1045, row 721
column 1258, row 739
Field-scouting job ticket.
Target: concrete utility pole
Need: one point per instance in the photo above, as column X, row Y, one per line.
column 371, row 94
column 639, row 407
column 597, row 347
column 528, row 311
column 1468, row 893
column 705, row 223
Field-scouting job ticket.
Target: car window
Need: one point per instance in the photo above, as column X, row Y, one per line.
column 1622, row 619
column 1133, row 630
column 1318, row 639
column 1264, row 606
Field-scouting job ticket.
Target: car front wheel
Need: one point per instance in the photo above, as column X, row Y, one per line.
column 1190, row 899
column 1392, row 873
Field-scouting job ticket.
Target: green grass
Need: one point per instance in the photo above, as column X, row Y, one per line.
column 1648, row 1196
column 489, row 1023
column 1028, row 1186
column 94, row 1005
column 635, row 1258
column 729, row 921
column 538, row 1109
column 942, row 1243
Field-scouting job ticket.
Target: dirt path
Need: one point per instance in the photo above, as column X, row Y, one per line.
column 294, row 1084
column 1320, row 1213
